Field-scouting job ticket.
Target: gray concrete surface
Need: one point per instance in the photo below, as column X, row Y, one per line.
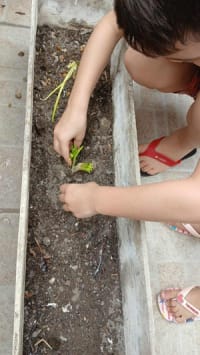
column 134, row 265
column 61, row 12
column 173, row 258
column 14, row 43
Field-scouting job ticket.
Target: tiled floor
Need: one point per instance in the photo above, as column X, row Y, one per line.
column 14, row 43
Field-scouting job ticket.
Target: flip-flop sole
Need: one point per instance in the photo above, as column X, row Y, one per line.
column 163, row 310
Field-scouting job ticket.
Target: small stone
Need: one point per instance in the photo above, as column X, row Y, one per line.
column 46, row 241
column 105, row 123
column 18, row 94
column 67, row 308
column 36, row 333
column 76, row 225
column 74, row 267
column 52, row 280
column 52, row 304
column 63, row 338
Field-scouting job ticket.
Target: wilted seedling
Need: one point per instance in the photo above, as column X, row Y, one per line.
column 86, row 167
column 72, row 66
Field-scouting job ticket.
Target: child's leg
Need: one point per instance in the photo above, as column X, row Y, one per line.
column 166, row 76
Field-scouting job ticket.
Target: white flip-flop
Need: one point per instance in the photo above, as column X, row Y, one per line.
column 181, row 299
column 189, row 230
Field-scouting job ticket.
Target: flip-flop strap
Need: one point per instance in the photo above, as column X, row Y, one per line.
column 191, row 230
column 152, row 153
column 186, row 304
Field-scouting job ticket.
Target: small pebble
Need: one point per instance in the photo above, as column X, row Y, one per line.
column 53, row 305
column 63, row 338
column 67, row 308
column 76, row 225
column 36, row 333
column 52, row 280
column 46, row 241
column 105, row 123
column 74, row 267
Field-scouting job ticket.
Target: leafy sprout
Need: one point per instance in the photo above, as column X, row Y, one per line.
column 86, row 167
column 72, row 66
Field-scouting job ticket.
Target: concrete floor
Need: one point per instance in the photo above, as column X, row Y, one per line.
column 14, row 43
column 173, row 258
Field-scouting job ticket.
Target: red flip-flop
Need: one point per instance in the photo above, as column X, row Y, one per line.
column 152, row 153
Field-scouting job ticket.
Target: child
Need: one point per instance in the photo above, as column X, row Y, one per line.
column 163, row 53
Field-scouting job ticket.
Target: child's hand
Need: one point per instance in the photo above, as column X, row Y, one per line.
column 70, row 128
column 79, row 199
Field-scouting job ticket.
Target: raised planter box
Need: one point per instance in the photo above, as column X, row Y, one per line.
column 144, row 334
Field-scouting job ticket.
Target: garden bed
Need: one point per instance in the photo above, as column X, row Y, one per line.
column 72, row 297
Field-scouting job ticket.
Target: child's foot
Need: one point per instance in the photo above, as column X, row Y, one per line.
column 161, row 154
column 175, row 309
column 188, row 229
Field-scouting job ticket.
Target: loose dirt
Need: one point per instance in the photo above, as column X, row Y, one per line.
column 72, row 297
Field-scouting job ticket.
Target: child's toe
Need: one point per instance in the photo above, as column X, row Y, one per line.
column 169, row 294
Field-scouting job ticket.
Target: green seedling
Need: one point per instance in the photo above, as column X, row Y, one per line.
column 72, row 66
column 86, row 167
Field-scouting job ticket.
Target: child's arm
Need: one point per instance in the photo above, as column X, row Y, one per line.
column 72, row 125
column 170, row 201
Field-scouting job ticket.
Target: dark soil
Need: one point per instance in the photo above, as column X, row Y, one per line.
column 72, row 298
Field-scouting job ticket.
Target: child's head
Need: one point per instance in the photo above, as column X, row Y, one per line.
column 155, row 26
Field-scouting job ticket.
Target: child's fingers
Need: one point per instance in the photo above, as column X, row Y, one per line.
column 64, row 148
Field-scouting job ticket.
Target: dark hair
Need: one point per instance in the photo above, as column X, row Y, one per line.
column 154, row 26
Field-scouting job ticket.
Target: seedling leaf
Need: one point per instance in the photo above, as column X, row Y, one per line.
column 86, row 167
column 72, row 66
